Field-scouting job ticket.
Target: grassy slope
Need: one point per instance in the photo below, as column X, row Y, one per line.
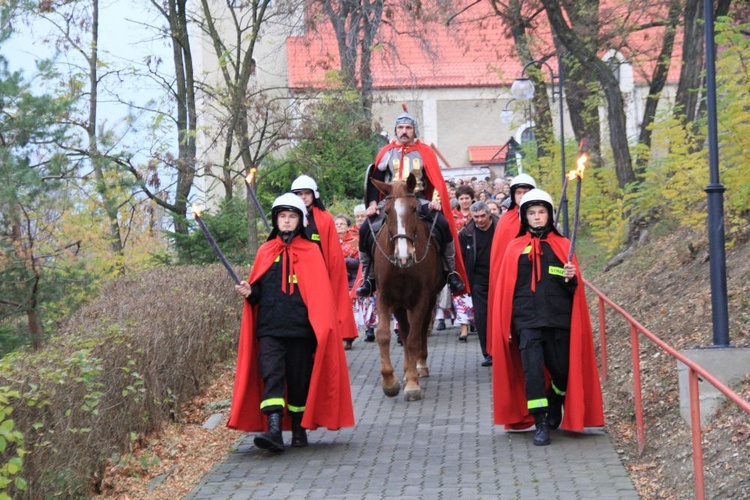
column 665, row 285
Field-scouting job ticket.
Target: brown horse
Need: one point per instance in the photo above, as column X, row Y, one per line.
column 409, row 276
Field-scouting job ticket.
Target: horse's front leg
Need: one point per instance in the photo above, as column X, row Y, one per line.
column 412, row 347
column 389, row 382
column 422, row 369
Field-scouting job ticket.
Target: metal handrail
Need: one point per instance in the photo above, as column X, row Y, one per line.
column 695, row 371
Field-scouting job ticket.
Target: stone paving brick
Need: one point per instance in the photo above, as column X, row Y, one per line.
column 442, row 447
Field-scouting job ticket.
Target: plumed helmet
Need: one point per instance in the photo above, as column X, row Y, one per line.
column 521, row 180
column 405, row 117
column 289, row 201
column 532, row 198
column 305, row 182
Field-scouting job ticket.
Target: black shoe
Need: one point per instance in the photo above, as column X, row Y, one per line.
column 299, row 434
column 541, row 437
column 462, row 338
column 455, row 283
column 348, row 344
column 554, row 415
column 472, row 328
column 367, row 288
column 271, row 440
column 487, row 361
column 369, row 335
column 440, row 325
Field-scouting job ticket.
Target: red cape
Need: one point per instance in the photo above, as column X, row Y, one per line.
column 334, row 262
column 583, row 403
column 329, row 401
column 432, row 170
column 508, row 227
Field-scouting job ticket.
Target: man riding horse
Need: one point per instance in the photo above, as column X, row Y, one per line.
column 404, row 155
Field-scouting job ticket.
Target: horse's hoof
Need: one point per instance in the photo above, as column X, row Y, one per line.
column 413, row 395
column 392, row 392
column 423, row 371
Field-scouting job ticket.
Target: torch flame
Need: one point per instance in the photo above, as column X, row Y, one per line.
column 581, row 167
column 197, row 210
column 251, row 175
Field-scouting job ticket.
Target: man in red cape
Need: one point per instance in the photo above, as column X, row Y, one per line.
column 395, row 161
column 583, row 399
column 322, row 230
column 507, row 229
column 329, row 402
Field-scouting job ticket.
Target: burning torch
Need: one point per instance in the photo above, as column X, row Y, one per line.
column 578, row 176
column 249, row 178
column 197, row 215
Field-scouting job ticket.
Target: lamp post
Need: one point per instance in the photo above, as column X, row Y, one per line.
column 523, row 90
column 715, row 190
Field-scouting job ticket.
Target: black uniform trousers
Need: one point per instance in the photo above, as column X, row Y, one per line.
column 479, row 296
column 286, row 365
column 542, row 347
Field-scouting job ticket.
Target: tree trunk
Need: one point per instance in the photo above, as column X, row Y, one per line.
column 184, row 93
column 689, row 87
column 615, row 107
column 349, row 18
column 584, row 117
column 110, row 205
column 658, row 81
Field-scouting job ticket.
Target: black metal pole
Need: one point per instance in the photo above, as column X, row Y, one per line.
column 715, row 191
column 564, row 197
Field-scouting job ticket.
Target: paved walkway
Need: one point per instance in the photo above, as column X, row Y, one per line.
column 442, row 447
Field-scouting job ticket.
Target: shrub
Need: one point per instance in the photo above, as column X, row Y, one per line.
column 121, row 368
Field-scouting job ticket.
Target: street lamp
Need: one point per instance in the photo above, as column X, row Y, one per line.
column 506, row 115
column 715, row 190
column 523, row 90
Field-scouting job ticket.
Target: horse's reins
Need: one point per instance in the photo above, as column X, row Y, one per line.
column 395, row 237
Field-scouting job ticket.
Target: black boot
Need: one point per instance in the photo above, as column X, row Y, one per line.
column 541, row 437
column 271, row 440
column 440, row 325
column 368, row 275
column 449, row 258
column 299, row 434
column 369, row 335
column 556, row 401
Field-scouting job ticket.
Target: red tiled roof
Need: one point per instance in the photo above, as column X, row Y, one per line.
column 459, row 55
column 486, row 155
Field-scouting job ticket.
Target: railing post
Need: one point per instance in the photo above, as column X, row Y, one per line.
column 603, row 338
column 637, row 396
column 696, row 432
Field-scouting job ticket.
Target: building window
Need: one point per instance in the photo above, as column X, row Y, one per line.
column 528, row 135
column 252, row 67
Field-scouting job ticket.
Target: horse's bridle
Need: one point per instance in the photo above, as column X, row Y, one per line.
column 394, row 237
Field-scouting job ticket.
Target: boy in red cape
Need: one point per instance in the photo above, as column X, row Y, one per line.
column 289, row 356
column 507, row 229
column 321, row 229
column 543, row 331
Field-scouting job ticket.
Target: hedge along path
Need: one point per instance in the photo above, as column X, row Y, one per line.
column 121, row 368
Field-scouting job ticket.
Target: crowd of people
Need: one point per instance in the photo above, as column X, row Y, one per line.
column 511, row 278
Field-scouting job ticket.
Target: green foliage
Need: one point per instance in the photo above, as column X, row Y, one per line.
column 335, row 147
column 228, row 227
column 121, row 367
column 672, row 189
column 11, row 446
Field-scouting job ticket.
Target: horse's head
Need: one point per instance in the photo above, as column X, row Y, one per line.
column 401, row 219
